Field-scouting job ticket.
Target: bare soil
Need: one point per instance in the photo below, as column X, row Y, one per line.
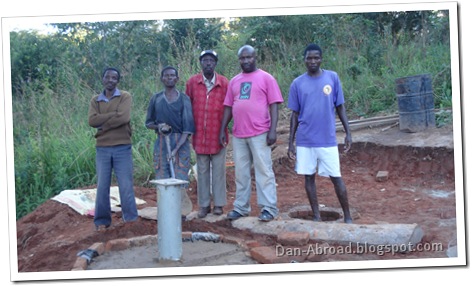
column 420, row 189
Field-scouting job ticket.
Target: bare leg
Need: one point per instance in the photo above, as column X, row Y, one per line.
column 341, row 193
column 310, row 189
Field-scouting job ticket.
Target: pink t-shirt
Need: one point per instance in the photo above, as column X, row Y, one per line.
column 249, row 95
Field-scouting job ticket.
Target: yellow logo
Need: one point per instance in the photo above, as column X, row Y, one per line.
column 327, row 89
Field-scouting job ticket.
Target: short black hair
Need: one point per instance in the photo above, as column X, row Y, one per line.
column 249, row 48
column 111, row 69
column 312, row 47
column 169, row 68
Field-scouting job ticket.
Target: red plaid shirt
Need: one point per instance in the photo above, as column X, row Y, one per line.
column 207, row 112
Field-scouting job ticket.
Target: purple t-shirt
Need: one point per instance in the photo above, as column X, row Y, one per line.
column 249, row 95
column 315, row 99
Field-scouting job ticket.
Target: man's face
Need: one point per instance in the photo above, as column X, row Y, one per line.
column 169, row 78
column 208, row 64
column 313, row 61
column 110, row 79
column 247, row 60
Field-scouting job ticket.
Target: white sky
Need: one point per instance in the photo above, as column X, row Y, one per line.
column 41, row 28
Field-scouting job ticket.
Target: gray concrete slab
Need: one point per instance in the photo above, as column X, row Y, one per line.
column 194, row 253
column 337, row 232
column 328, row 231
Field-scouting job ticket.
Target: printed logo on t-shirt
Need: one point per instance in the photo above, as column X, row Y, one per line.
column 327, row 89
column 245, row 90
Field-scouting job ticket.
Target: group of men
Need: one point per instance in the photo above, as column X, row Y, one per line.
column 203, row 112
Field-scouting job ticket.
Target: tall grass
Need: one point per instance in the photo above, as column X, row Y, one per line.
column 54, row 147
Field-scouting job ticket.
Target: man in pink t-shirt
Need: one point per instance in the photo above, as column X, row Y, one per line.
column 252, row 101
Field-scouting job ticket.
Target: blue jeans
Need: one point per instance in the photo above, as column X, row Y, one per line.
column 118, row 158
column 254, row 151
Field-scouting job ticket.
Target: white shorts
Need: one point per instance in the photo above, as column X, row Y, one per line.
column 325, row 159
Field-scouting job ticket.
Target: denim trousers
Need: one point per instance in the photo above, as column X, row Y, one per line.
column 211, row 179
column 254, row 152
column 120, row 160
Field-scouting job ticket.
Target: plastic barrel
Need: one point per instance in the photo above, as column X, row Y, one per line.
column 415, row 103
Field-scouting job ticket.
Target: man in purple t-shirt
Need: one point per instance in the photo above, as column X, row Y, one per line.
column 252, row 101
column 315, row 98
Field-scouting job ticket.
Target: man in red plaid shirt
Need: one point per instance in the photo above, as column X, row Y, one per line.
column 207, row 92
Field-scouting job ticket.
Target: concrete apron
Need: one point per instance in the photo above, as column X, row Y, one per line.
column 400, row 235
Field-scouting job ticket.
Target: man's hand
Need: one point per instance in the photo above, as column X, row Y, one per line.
column 271, row 138
column 292, row 152
column 164, row 128
column 223, row 139
column 347, row 143
column 171, row 156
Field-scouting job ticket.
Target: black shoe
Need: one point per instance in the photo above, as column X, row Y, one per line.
column 101, row 227
column 203, row 212
column 233, row 215
column 217, row 210
column 266, row 216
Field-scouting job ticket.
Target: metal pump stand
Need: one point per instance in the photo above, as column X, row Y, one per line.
column 169, row 227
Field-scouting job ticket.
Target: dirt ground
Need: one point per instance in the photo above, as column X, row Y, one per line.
column 420, row 189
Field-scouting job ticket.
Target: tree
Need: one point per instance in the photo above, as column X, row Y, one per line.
column 33, row 60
